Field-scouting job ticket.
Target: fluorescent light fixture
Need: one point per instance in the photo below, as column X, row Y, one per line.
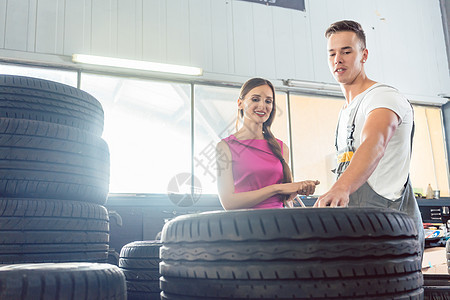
column 312, row 85
column 135, row 64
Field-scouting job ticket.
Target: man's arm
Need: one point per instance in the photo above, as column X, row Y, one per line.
column 378, row 129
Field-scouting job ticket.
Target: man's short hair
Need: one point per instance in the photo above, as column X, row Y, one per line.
column 347, row 25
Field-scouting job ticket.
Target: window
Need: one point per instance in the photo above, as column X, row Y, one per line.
column 313, row 123
column 214, row 118
column 428, row 164
column 147, row 128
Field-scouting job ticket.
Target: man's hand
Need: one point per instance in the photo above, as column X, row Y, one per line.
column 333, row 198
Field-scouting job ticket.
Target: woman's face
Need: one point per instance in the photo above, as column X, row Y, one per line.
column 257, row 104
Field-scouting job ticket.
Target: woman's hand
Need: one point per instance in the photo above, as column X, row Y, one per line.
column 306, row 187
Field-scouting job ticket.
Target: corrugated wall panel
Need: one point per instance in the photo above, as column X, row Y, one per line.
column 178, row 47
column 304, row 65
column 222, row 47
column 16, row 25
column 264, row 41
column 104, row 27
column 87, row 27
column 127, row 35
column 439, row 78
column 75, row 21
column 60, row 24
column 333, row 10
column 2, row 23
column 319, row 21
column 32, row 24
column 244, row 42
column 396, row 45
column 370, row 20
column 139, row 28
column 200, row 33
column 154, row 31
column 283, row 43
column 49, row 26
column 426, row 66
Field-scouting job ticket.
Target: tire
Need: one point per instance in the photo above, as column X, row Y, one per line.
column 44, row 100
column 65, row 281
column 139, row 261
column 417, row 294
column 113, row 257
column 44, row 160
column 436, row 293
column 279, row 269
column 143, row 295
column 320, row 253
column 290, row 249
column 44, row 230
column 436, row 286
column 383, row 288
column 288, row 224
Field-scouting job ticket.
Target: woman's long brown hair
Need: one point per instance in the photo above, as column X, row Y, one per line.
column 267, row 133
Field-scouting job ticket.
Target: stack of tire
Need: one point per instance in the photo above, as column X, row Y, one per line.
column 139, row 261
column 54, row 180
column 299, row 253
column 54, row 173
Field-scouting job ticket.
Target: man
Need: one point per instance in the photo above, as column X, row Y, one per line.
column 374, row 133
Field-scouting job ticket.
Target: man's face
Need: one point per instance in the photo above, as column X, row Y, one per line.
column 345, row 56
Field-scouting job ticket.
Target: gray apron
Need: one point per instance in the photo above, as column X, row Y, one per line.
column 365, row 195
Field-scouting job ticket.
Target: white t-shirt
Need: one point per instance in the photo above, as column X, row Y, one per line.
column 392, row 171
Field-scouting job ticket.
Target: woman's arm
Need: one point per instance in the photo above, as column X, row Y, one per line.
column 225, row 183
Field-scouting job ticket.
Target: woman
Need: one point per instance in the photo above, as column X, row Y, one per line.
column 258, row 175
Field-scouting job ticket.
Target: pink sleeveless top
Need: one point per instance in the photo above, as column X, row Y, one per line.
column 255, row 166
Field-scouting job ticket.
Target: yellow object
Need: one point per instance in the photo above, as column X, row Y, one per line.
column 344, row 157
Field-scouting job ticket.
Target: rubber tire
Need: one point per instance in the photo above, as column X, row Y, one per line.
column 43, row 100
column 64, row 281
column 44, row 160
column 436, row 286
column 386, row 287
column 414, row 295
column 38, row 231
column 436, row 292
column 288, row 224
column 313, row 252
column 279, row 269
column 139, row 261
